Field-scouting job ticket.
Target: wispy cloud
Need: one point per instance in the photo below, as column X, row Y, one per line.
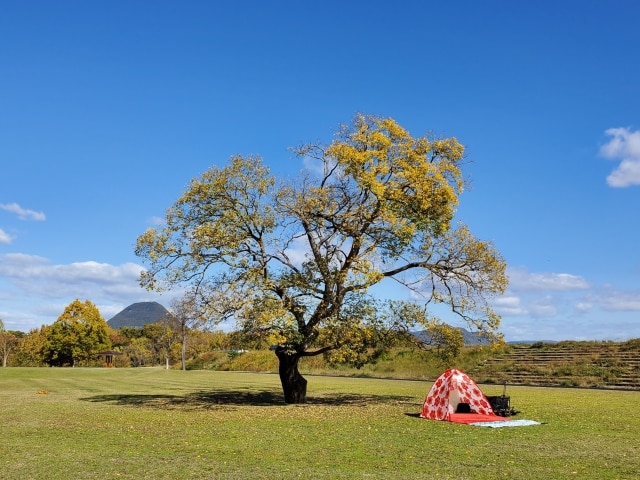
column 625, row 147
column 156, row 221
column 5, row 237
column 613, row 300
column 557, row 295
column 23, row 213
column 522, row 280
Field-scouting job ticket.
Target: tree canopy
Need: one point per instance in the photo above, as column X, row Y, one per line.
column 78, row 334
column 298, row 257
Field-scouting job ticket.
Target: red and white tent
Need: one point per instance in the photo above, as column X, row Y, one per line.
column 451, row 389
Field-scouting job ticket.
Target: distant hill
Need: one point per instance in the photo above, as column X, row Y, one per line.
column 530, row 342
column 138, row 315
column 470, row 338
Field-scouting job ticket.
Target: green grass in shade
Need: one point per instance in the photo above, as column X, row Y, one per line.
column 158, row 424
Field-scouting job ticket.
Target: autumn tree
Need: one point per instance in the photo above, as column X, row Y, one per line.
column 297, row 258
column 161, row 337
column 188, row 317
column 30, row 348
column 139, row 352
column 445, row 340
column 8, row 342
column 78, row 334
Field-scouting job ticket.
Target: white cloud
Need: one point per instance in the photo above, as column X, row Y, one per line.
column 563, row 306
column 313, row 164
column 317, row 166
column 539, row 303
column 583, row 307
column 508, row 305
column 624, row 146
column 23, row 213
column 531, row 306
column 5, row 237
column 522, row 280
column 37, row 291
column 156, row 221
column 546, row 306
column 612, row 300
column 298, row 250
column 35, row 275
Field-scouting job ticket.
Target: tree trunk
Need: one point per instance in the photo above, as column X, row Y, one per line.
column 184, row 350
column 294, row 385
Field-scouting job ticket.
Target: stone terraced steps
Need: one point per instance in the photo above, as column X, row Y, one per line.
column 606, row 366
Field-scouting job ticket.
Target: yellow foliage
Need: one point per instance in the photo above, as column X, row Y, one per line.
column 294, row 255
column 414, row 180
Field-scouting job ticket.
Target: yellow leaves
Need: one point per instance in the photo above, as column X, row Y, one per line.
column 276, row 312
column 276, row 338
column 394, row 130
column 412, row 179
column 214, row 235
column 364, row 272
column 486, row 266
column 448, row 148
column 380, row 140
column 149, row 244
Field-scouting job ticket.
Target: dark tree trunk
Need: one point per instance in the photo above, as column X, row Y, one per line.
column 184, row 349
column 294, row 385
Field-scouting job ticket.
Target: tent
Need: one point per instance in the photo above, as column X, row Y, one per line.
column 456, row 398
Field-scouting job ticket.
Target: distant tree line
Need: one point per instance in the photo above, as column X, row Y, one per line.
column 82, row 337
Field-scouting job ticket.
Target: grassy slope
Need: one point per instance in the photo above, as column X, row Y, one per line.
column 584, row 364
column 152, row 423
column 400, row 363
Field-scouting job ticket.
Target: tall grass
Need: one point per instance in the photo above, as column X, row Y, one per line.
column 158, row 424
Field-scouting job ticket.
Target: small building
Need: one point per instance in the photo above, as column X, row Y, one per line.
column 108, row 357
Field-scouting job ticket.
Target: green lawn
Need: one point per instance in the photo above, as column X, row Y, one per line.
column 158, row 424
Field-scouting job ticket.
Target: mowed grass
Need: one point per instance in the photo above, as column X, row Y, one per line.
column 158, row 424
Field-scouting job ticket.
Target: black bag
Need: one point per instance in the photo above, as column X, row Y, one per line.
column 500, row 405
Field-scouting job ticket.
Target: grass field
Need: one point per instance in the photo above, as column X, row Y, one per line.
column 159, row 424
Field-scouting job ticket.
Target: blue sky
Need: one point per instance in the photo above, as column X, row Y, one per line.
column 109, row 108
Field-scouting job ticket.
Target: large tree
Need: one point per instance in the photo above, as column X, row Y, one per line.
column 78, row 334
column 299, row 257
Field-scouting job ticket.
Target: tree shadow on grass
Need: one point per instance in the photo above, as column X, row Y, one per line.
column 238, row 398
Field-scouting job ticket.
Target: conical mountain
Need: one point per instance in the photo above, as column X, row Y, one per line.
column 138, row 315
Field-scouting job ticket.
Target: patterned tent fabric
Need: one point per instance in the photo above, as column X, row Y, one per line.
column 450, row 389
